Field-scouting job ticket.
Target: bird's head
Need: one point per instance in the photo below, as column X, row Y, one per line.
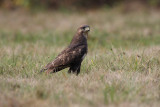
column 84, row 29
column 81, row 35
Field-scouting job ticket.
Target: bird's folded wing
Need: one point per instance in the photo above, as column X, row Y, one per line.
column 66, row 57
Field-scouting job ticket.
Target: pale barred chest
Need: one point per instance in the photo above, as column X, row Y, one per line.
column 83, row 51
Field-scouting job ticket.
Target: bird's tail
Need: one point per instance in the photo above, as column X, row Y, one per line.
column 43, row 70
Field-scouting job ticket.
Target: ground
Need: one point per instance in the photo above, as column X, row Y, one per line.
column 122, row 68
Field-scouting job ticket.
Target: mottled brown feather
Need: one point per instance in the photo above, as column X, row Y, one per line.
column 73, row 55
column 65, row 58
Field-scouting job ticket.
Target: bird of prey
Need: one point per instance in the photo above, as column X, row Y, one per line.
column 73, row 55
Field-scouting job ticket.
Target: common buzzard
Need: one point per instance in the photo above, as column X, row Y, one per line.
column 73, row 55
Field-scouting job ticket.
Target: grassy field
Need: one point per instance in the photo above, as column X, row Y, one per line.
column 122, row 68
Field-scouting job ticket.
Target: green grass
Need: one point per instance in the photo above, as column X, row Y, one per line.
column 122, row 67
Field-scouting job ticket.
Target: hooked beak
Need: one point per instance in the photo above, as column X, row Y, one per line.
column 87, row 28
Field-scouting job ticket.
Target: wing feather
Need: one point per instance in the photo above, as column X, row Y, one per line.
column 66, row 58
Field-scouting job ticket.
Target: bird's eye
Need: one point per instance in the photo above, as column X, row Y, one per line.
column 83, row 28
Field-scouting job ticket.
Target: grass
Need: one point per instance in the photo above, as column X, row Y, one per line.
column 122, row 67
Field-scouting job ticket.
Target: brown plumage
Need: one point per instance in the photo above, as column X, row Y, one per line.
column 73, row 55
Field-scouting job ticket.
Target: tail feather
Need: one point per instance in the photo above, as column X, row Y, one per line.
column 43, row 70
column 50, row 69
